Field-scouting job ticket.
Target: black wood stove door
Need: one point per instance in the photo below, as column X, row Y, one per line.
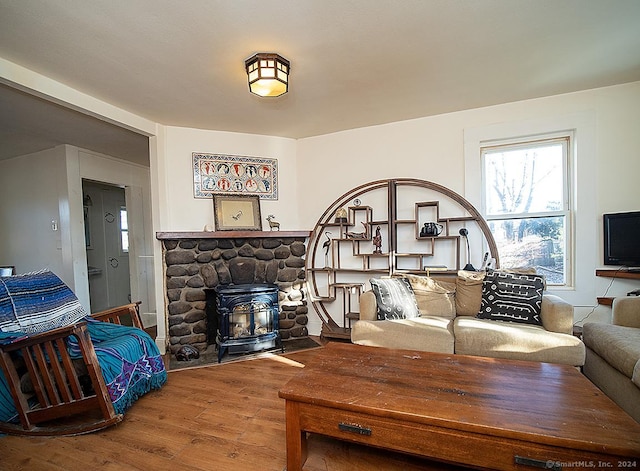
column 246, row 318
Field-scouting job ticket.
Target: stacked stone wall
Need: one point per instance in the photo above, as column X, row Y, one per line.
column 193, row 265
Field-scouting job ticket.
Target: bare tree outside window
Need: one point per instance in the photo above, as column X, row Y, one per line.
column 526, row 205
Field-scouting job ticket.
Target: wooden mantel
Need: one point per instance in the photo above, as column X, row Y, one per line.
column 229, row 234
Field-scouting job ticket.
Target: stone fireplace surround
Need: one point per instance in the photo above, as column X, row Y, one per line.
column 195, row 261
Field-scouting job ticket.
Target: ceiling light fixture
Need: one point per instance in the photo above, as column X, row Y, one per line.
column 268, row 74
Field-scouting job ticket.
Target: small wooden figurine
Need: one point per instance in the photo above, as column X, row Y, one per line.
column 377, row 241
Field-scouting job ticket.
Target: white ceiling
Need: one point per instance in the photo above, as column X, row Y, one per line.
column 354, row 63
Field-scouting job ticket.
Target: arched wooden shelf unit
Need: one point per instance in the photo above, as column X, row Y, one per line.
column 343, row 255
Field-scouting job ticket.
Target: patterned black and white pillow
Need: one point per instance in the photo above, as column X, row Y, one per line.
column 512, row 297
column 395, row 298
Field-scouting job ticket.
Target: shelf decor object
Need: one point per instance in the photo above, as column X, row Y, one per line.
column 465, row 233
column 381, row 235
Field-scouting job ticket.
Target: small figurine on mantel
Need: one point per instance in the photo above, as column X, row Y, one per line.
column 273, row 224
column 377, row 241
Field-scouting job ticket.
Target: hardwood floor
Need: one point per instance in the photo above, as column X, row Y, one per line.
column 219, row 417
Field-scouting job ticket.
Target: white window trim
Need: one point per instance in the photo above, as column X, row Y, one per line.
column 582, row 164
column 568, row 194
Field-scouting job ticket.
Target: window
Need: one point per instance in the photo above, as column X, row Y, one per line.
column 124, row 230
column 526, row 203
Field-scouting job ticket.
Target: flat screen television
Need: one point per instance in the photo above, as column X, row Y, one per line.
column 622, row 239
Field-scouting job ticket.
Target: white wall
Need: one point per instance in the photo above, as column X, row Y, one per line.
column 186, row 213
column 31, row 188
column 433, row 149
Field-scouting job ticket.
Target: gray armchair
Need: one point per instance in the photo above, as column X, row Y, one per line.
column 613, row 355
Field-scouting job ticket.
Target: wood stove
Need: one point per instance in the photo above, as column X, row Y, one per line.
column 245, row 318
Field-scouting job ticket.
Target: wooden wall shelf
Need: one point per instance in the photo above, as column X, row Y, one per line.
column 229, row 234
column 605, row 301
column 615, row 273
column 341, row 253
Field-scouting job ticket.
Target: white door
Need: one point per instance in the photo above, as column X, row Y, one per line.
column 107, row 245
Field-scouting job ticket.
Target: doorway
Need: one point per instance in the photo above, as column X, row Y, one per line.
column 107, row 245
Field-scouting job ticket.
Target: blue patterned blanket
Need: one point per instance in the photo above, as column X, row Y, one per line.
column 37, row 302
column 130, row 361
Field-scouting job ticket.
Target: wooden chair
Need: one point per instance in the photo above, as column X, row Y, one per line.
column 67, row 396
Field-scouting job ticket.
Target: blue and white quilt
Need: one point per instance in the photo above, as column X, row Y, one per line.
column 130, row 361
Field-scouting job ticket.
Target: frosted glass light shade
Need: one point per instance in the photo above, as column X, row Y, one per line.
column 268, row 74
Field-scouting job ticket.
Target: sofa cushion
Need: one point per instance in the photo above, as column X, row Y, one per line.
column 468, row 292
column 617, row 345
column 499, row 339
column 433, row 297
column 512, row 297
column 636, row 374
column 427, row 334
column 394, row 298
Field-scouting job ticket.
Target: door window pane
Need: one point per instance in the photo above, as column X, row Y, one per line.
column 124, row 230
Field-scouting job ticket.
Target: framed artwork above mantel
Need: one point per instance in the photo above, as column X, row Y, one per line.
column 237, row 213
column 234, row 175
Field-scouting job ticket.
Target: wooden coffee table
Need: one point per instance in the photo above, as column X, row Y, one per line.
column 473, row 411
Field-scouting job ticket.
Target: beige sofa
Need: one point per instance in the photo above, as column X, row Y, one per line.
column 613, row 355
column 447, row 323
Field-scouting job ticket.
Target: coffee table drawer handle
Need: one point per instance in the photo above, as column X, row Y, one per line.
column 550, row 464
column 354, row 429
